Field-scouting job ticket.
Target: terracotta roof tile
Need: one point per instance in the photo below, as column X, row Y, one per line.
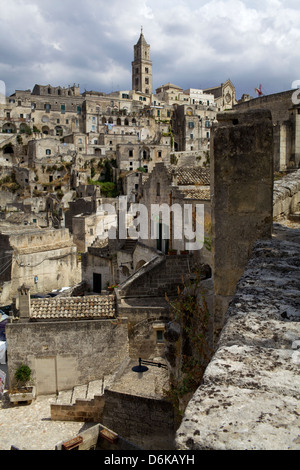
column 203, row 194
column 74, row 308
column 187, row 176
column 191, row 175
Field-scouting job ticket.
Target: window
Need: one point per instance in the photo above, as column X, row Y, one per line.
column 159, row 153
column 78, row 109
column 47, row 108
column 158, row 189
column 146, row 70
column 159, row 336
column 147, row 81
column 191, row 125
column 63, row 109
column 48, row 152
column 191, row 136
column 131, row 153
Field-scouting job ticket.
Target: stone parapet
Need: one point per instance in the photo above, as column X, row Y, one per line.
column 286, row 195
column 241, row 187
column 249, row 397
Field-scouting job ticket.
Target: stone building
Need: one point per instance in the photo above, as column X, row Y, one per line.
column 179, row 187
column 224, row 95
column 285, row 118
column 45, row 259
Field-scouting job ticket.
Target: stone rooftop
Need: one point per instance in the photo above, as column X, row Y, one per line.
column 191, row 176
column 249, row 397
column 73, row 308
column 203, row 194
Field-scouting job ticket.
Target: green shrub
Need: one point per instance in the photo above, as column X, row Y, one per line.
column 23, row 374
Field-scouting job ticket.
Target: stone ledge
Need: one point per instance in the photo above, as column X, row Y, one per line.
column 249, row 397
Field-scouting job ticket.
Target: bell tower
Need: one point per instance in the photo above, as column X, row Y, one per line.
column 142, row 67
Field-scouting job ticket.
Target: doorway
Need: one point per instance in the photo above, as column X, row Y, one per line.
column 97, row 283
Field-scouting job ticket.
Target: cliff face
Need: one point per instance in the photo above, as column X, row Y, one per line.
column 249, row 398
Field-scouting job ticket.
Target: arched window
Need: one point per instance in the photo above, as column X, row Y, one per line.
column 9, row 128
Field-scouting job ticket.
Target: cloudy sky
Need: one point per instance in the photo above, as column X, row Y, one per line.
column 194, row 43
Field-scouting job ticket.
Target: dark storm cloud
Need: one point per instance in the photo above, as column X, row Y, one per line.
column 194, row 44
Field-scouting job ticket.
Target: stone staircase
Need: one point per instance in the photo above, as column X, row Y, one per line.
column 129, row 245
column 82, row 392
column 84, row 403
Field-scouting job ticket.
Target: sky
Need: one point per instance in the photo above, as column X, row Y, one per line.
column 194, row 43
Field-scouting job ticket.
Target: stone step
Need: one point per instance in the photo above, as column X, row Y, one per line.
column 64, row 397
column 81, row 392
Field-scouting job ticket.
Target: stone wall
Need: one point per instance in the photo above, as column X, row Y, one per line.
column 87, row 411
column 157, row 277
column 64, row 354
column 242, row 185
column 278, row 103
column 286, row 198
column 249, row 396
column 146, row 422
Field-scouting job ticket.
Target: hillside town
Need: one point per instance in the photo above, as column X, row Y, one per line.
column 99, row 286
